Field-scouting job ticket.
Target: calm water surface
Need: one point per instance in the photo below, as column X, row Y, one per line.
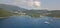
column 29, row 22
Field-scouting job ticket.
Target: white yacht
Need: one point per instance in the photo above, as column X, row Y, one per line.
column 46, row 22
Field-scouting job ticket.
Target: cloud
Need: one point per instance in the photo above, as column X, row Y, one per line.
column 23, row 3
column 36, row 3
column 28, row 3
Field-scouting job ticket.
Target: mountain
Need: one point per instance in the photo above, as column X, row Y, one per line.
column 5, row 10
column 5, row 13
column 11, row 7
column 16, row 8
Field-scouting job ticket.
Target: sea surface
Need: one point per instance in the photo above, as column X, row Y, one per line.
column 29, row 22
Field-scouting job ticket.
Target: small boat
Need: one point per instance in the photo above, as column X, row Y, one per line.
column 46, row 22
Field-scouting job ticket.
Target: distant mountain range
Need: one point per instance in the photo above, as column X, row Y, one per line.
column 32, row 11
column 16, row 8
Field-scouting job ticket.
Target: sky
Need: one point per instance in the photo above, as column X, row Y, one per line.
column 34, row 4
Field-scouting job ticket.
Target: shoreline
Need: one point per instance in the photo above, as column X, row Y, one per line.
column 2, row 17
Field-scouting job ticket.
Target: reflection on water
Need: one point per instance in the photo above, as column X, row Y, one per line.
column 29, row 22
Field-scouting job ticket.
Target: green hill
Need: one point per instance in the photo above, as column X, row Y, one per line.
column 4, row 13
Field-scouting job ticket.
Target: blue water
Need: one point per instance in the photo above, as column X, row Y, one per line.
column 29, row 22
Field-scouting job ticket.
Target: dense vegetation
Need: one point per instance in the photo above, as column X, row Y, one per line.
column 55, row 13
column 4, row 13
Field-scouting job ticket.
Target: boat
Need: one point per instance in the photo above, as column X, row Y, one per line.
column 46, row 22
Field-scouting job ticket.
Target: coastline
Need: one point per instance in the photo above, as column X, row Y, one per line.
column 3, row 17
